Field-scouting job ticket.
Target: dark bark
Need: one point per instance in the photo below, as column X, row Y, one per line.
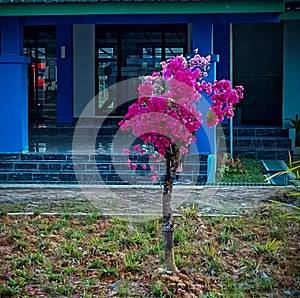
column 172, row 158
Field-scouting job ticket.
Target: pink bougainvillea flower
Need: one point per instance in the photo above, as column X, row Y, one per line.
column 126, row 151
column 166, row 110
column 136, row 147
column 144, row 167
column 184, row 150
column 129, row 163
column 153, row 178
column 134, row 166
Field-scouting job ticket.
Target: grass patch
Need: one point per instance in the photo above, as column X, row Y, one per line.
column 241, row 170
column 53, row 256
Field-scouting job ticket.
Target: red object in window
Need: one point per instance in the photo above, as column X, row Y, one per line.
column 41, row 78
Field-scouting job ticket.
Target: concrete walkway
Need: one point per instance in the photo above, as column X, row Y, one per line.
column 133, row 201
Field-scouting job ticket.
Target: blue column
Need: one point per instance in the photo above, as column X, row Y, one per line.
column 13, row 86
column 64, row 97
column 222, row 48
column 202, row 31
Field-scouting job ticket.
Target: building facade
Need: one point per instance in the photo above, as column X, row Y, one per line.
column 58, row 58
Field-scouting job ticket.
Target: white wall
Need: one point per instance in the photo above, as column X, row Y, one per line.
column 84, row 69
column 291, row 70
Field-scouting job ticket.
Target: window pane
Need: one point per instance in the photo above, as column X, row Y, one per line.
column 40, row 46
column 130, row 51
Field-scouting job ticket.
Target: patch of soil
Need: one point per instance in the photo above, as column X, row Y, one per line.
column 96, row 256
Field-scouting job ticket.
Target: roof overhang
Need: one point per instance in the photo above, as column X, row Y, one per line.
column 292, row 11
column 139, row 7
column 290, row 16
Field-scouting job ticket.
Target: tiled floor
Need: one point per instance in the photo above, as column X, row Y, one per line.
column 50, row 141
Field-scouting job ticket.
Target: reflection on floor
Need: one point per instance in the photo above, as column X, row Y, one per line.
column 86, row 139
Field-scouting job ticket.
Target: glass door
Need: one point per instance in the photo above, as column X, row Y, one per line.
column 40, row 46
column 131, row 51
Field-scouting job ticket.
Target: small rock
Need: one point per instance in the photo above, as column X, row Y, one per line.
column 116, row 284
column 158, row 272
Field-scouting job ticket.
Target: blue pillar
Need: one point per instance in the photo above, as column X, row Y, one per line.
column 202, row 31
column 222, row 48
column 64, row 97
column 13, row 86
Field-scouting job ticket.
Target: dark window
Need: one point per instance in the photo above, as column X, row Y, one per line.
column 131, row 51
column 40, row 46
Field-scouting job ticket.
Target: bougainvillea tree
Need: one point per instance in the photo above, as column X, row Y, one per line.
column 165, row 116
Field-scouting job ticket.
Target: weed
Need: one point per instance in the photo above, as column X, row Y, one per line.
column 62, row 223
column 37, row 213
column 42, row 244
column 37, row 258
column 182, row 260
column 189, row 212
column 7, row 290
column 295, row 213
column 212, row 259
column 151, row 227
column 132, row 262
column 20, row 263
column 269, row 247
column 22, row 245
column 74, row 234
column 96, row 264
column 70, row 271
column 97, row 246
column 92, row 218
column 124, row 289
column 55, row 277
column 67, row 215
column 179, row 236
column 3, row 213
column 155, row 248
column 131, row 240
column 265, row 282
column 71, row 249
column 159, row 289
column 16, row 234
column 224, row 237
column 108, row 271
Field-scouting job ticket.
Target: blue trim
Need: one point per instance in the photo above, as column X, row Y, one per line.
column 11, row 59
column 249, row 18
column 64, row 97
column 11, row 36
column 107, row 19
column 150, row 19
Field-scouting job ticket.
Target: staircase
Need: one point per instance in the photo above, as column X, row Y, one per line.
column 52, row 160
column 258, row 142
column 65, row 168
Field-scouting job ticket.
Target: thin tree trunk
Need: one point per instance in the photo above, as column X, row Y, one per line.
column 172, row 159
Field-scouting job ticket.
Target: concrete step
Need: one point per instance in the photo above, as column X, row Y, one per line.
column 257, row 131
column 89, row 168
column 275, row 166
column 257, row 142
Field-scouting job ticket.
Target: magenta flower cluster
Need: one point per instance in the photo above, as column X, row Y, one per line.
column 166, row 110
